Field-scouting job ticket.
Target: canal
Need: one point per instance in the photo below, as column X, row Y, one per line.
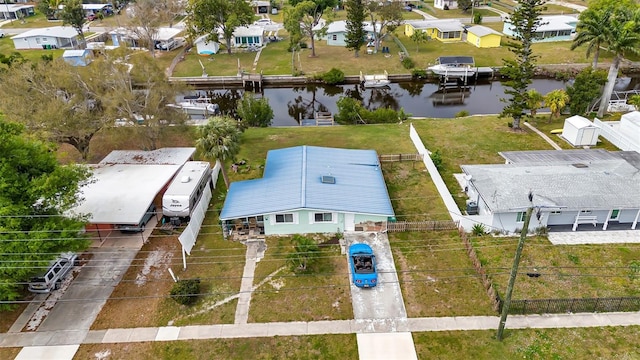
column 290, row 104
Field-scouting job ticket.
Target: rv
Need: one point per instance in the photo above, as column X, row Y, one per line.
column 185, row 191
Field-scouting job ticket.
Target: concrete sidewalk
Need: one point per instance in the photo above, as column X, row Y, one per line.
column 230, row 331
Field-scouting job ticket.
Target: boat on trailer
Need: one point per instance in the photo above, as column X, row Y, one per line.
column 454, row 66
column 375, row 80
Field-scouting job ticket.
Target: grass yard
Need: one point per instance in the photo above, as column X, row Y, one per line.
column 322, row 293
column 567, row 271
column 147, row 283
column 32, row 22
column 277, row 347
column 545, row 125
column 436, row 275
column 579, row 343
column 221, row 64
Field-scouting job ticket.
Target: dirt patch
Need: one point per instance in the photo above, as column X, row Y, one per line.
column 405, row 276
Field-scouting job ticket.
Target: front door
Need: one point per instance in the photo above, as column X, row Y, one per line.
column 614, row 215
column 349, row 222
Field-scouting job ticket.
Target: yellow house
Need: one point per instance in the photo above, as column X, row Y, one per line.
column 483, row 37
column 445, row 30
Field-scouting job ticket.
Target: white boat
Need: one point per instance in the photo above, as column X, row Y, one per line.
column 197, row 106
column 454, row 66
column 375, row 81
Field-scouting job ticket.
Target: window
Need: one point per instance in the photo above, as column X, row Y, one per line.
column 614, row 214
column 284, row 218
column 585, row 212
column 555, row 212
column 323, row 217
column 521, row 216
column 334, row 37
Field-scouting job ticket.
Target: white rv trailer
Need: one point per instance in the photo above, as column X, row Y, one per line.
column 185, row 190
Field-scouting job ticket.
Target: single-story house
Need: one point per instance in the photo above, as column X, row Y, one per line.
column 625, row 134
column 445, row 30
column 483, row 37
column 206, row 47
column 78, row 57
column 94, row 9
column 445, row 4
column 13, row 11
column 125, row 183
column 248, row 35
column 261, row 7
column 55, row 37
column 308, row 189
column 162, row 37
column 551, row 28
column 337, row 30
column 571, row 189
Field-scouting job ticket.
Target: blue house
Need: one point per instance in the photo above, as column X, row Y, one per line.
column 78, row 57
column 552, row 28
column 337, row 30
column 308, row 189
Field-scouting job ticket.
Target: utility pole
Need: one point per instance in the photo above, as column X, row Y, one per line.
column 514, row 271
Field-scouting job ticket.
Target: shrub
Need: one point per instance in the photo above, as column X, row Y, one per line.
column 462, row 113
column 408, row 63
column 348, row 110
column 380, row 116
column 477, row 18
column 186, row 292
column 333, row 76
column 419, row 73
column 436, row 157
column 478, row 230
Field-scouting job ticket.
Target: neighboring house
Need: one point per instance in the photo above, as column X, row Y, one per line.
column 308, row 189
column 625, row 134
column 445, row 30
column 94, row 9
column 552, row 28
column 449, row 4
column 13, row 11
column 56, row 37
column 248, row 35
column 483, row 37
column 78, row 57
column 572, row 189
column 164, row 38
column 261, row 7
column 206, row 47
column 337, row 30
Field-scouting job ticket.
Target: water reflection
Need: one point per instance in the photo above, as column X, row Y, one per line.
column 290, row 105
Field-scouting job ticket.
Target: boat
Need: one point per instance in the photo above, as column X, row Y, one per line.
column 375, row 81
column 454, row 66
column 197, row 105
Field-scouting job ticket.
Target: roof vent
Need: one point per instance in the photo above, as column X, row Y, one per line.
column 580, row 165
column 185, row 179
column 327, row 179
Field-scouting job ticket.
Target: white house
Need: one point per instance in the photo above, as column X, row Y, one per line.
column 552, row 28
column 248, row 35
column 572, row 189
column 445, row 4
column 14, row 11
column 78, row 57
column 337, row 30
column 206, row 47
column 55, row 37
column 579, row 131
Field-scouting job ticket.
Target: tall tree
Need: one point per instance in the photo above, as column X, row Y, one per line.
column 355, row 35
column 385, row 18
column 213, row 16
column 306, row 15
column 585, row 90
column 35, row 194
column 534, row 101
column 255, row 112
column 73, row 14
column 592, row 32
column 148, row 16
column 219, row 139
column 623, row 36
column 525, row 20
column 556, row 100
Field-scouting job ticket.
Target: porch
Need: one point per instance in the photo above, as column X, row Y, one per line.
column 243, row 229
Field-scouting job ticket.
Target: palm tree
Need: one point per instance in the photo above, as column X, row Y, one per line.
column 592, row 32
column 622, row 37
column 534, row 101
column 419, row 37
column 556, row 100
column 220, row 139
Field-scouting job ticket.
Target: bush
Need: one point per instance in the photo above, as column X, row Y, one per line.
column 436, row 158
column 408, row 63
column 348, row 110
column 186, row 292
column 333, row 76
column 462, row 113
column 477, row 18
column 478, row 230
column 419, row 73
column 380, row 116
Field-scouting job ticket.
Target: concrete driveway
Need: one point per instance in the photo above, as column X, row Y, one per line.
column 381, row 307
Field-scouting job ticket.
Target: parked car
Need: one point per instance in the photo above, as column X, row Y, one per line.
column 263, row 22
column 55, row 274
column 363, row 265
column 129, row 228
column 91, row 17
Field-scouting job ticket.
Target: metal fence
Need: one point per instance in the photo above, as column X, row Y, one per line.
column 430, row 225
column 587, row 305
column 401, row 157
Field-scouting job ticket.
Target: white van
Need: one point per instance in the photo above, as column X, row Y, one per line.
column 55, row 274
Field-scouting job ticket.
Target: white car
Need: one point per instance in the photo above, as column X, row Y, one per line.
column 263, row 22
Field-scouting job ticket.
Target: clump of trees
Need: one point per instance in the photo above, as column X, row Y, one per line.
column 351, row 111
column 254, row 112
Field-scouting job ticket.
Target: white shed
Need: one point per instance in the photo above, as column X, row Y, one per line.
column 206, row 47
column 579, row 131
column 630, row 125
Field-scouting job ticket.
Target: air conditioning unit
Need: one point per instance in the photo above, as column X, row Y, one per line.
column 472, row 207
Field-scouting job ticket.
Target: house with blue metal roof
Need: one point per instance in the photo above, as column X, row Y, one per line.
column 309, row 189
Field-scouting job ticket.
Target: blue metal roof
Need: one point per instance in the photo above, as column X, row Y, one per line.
column 292, row 180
